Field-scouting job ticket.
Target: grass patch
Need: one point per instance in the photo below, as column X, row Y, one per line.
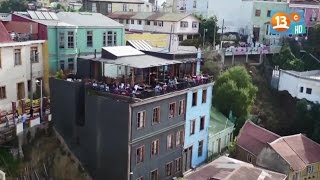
column 8, row 164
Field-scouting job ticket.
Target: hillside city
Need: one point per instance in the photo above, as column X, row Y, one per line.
column 159, row 89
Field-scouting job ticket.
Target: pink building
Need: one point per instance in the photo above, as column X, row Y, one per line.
column 311, row 10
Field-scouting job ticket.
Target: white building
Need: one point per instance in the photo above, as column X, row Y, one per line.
column 301, row 84
column 15, row 70
column 184, row 25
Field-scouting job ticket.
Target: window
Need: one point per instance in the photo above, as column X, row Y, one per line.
column 139, row 22
column 61, row 64
column 258, row 12
column 104, row 39
column 94, row 7
column 3, row 92
column 89, row 39
column 200, row 148
column 309, row 91
column 301, row 89
column 169, row 169
column 192, row 127
column 61, row 40
column 172, row 110
column 110, row 38
column 194, row 99
column 181, row 107
column 160, row 23
column 155, row 23
column 177, row 164
column 156, row 115
column 114, row 38
column 125, row 7
column 70, row 39
column 194, row 3
column 140, row 155
column 140, row 178
column 70, row 64
column 148, row 23
column 141, row 119
column 127, row 21
column 121, row 21
column 296, row 176
column 170, row 141
column 202, row 123
column 179, row 137
column 184, row 24
column 154, row 175
column 155, row 147
column 268, row 13
column 34, row 55
column 204, row 96
column 180, row 37
column 249, row 158
column 194, row 24
column 109, row 8
column 310, row 169
column 132, row 21
column 130, row 10
column 17, row 57
column 268, row 29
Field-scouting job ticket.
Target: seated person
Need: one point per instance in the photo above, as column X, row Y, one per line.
column 158, row 88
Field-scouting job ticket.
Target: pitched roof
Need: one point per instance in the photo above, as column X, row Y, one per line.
column 174, row 17
column 122, row 1
column 298, row 150
column 87, row 19
column 218, row 122
column 254, row 138
column 4, row 35
column 225, row 168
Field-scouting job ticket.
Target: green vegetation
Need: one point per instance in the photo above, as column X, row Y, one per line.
column 211, row 68
column 14, row 5
column 8, row 163
column 287, row 60
column 307, row 119
column 235, row 92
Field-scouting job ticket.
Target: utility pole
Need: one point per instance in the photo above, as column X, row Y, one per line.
column 204, row 37
column 222, row 33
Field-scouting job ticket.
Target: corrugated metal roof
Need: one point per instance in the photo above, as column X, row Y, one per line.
column 121, row 51
column 173, row 17
column 141, row 45
column 142, row 15
column 298, row 150
column 121, row 15
column 87, row 19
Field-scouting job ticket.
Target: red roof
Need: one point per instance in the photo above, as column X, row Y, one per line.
column 298, row 150
column 4, row 35
column 254, row 138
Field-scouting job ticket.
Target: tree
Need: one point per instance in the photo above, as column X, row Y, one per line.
column 212, row 28
column 14, row 5
column 313, row 43
column 287, row 60
column 211, row 68
column 235, row 92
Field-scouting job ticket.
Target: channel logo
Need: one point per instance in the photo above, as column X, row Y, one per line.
column 287, row 22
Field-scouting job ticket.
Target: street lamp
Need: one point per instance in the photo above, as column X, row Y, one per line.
column 204, row 37
column 41, row 99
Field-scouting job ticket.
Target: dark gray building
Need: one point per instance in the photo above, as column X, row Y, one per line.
column 124, row 134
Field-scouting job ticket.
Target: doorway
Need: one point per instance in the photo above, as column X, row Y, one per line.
column 187, row 159
column 256, row 33
column 20, row 91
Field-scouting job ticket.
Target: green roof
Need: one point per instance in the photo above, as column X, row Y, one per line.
column 218, row 122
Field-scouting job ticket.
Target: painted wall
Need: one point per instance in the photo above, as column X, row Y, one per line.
column 10, row 74
column 292, row 84
column 260, row 21
column 213, row 143
column 194, row 113
column 200, row 9
column 311, row 15
column 156, row 40
column 188, row 30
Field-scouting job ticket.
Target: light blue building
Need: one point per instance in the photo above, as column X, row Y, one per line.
column 199, row 7
column 198, row 106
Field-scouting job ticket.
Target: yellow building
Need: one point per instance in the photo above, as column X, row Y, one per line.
column 296, row 155
column 155, row 40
